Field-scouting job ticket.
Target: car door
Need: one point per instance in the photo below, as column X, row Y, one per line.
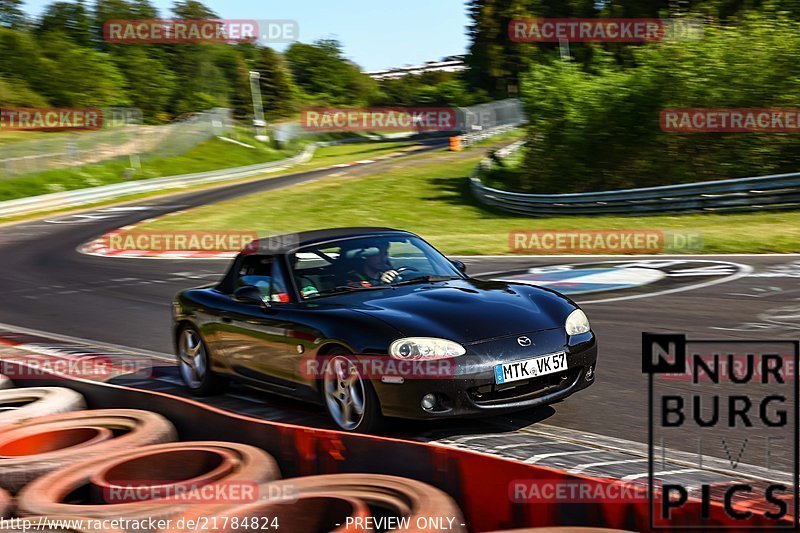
column 260, row 341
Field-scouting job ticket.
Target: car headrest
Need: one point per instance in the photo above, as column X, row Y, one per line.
column 361, row 253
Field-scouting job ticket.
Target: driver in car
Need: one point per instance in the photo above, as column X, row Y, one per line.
column 374, row 268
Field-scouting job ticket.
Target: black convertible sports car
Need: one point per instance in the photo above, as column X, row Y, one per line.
column 375, row 322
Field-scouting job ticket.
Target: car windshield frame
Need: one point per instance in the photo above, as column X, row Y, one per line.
column 436, row 259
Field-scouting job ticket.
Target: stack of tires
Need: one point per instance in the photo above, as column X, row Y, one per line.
column 65, row 468
column 60, row 461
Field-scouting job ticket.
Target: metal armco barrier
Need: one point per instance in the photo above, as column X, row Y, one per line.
column 779, row 191
column 479, row 483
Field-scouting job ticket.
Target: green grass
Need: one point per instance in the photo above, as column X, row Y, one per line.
column 213, row 154
column 11, row 136
column 345, row 153
column 210, row 155
column 430, row 196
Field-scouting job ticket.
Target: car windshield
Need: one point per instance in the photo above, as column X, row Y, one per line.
column 367, row 263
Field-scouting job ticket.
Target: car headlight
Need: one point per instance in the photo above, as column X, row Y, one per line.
column 577, row 323
column 425, row 348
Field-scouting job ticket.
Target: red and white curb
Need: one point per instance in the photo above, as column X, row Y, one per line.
column 100, row 247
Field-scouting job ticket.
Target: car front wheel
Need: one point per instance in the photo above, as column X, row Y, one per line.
column 350, row 398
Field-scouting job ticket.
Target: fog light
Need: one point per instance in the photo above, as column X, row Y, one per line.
column 428, row 402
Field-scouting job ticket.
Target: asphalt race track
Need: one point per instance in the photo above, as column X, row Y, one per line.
column 49, row 287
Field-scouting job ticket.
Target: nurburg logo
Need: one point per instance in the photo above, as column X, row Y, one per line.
column 524, row 341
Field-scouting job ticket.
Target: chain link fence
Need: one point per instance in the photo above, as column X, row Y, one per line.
column 505, row 114
column 123, row 136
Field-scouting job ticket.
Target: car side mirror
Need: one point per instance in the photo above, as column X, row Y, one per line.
column 250, row 294
column 460, row 266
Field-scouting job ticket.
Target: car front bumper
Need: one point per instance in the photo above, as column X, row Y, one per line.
column 470, row 389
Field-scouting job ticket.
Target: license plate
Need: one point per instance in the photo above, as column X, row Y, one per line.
column 530, row 368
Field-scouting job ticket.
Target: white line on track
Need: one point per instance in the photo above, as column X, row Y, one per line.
column 78, row 340
column 633, row 477
column 582, row 468
column 536, row 458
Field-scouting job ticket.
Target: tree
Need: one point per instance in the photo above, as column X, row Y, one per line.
column 76, row 77
column 69, row 18
column 231, row 61
column 278, row 90
column 148, row 81
column 192, row 10
column 21, row 58
column 11, row 14
column 322, row 71
column 15, row 93
column 495, row 62
column 105, row 10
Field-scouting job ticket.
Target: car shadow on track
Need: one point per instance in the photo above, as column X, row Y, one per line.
column 432, row 430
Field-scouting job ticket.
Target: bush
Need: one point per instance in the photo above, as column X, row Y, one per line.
column 599, row 129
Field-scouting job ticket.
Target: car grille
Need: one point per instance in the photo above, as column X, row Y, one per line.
column 518, row 391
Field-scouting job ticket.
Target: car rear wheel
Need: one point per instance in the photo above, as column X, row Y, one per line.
column 350, row 399
column 194, row 362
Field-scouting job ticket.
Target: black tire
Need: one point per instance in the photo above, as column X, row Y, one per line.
column 207, row 383
column 372, row 418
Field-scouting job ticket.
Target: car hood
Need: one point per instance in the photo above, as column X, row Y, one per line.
column 464, row 311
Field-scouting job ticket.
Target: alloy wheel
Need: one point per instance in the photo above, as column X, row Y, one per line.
column 193, row 359
column 344, row 393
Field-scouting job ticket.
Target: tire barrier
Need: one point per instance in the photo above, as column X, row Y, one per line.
column 18, row 405
column 419, row 506
column 55, row 524
column 148, row 483
column 480, row 484
column 563, row 530
column 311, row 513
column 5, row 382
column 31, row 449
column 5, row 504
